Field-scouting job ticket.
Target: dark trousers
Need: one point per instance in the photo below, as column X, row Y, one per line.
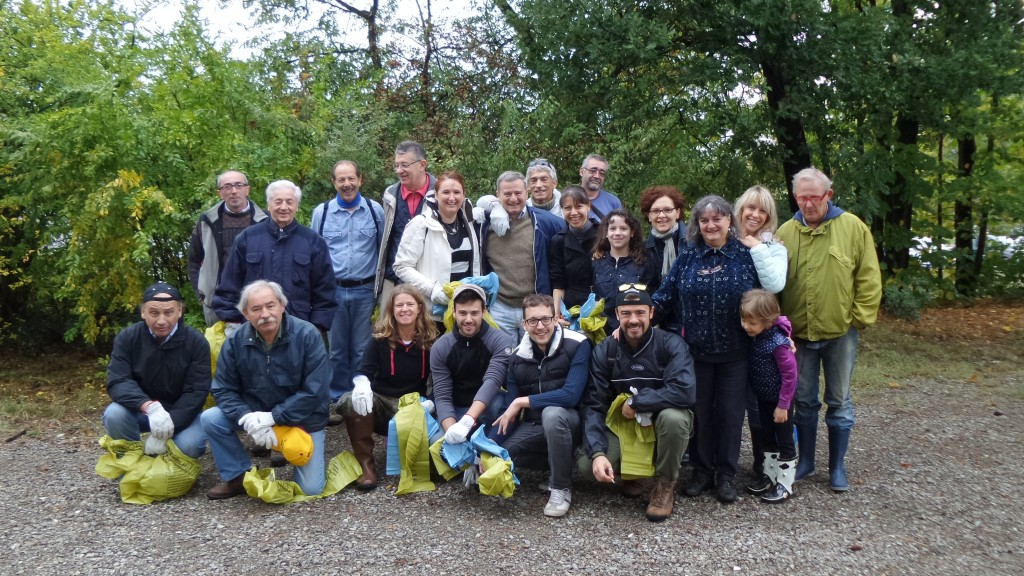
column 776, row 437
column 721, row 402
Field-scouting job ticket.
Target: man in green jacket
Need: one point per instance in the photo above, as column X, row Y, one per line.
column 833, row 289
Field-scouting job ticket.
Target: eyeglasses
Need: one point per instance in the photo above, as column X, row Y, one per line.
column 632, row 286
column 811, row 199
column 545, row 320
column 405, row 165
column 234, row 186
column 595, row 171
column 662, row 211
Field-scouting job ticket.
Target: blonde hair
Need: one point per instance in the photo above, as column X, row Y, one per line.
column 425, row 332
column 759, row 304
column 758, row 195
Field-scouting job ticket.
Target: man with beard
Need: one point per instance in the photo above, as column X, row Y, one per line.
column 468, row 365
column 592, row 176
column 271, row 372
column 656, row 369
column 351, row 226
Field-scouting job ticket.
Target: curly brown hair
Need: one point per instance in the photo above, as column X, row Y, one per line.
column 649, row 196
column 636, row 240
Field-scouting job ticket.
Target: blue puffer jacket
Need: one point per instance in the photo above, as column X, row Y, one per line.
column 291, row 380
column 704, row 288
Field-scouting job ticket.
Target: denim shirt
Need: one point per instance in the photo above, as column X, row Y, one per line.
column 351, row 237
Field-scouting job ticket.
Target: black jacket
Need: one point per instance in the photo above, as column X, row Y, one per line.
column 569, row 263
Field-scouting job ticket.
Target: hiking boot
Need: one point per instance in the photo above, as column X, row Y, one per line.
column 662, row 499
column 558, row 503
column 726, row 491
column 632, row 488
column 698, row 483
column 228, row 489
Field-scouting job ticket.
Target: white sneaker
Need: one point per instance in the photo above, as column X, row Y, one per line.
column 558, row 503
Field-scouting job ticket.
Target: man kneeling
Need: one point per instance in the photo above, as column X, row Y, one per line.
column 547, row 373
column 656, row 367
column 272, row 371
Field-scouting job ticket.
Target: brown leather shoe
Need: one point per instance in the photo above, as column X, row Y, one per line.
column 360, row 434
column 226, row 490
column 632, row 488
column 662, row 499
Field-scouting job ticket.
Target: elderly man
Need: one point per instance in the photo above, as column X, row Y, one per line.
column 593, row 173
column 468, row 366
column 158, row 377
column 542, row 183
column 402, row 201
column 351, row 226
column 514, row 243
column 656, row 369
column 271, row 372
column 215, row 233
column 547, row 373
column 833, row 289
column 281, row 250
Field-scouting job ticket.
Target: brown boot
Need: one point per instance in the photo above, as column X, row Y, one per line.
column 632, row 488
column 360, row 434
column 226, row 490
column 662, row 499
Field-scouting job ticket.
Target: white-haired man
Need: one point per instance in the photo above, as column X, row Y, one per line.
column 542, row 184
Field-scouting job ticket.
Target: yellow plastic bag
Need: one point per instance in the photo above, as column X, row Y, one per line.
column 146, row 479
column 497, row 478
column 636, row 442
column 342, row 470
column 413, row 446
column 216, row 337
column 442, row 467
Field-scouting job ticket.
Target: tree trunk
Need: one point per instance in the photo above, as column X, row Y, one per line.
column 963, row 218
column 789, row 129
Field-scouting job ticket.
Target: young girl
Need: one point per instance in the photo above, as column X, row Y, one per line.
column 773, row 379
column 618, row 259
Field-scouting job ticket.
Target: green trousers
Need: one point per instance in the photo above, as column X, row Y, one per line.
column 672, row 427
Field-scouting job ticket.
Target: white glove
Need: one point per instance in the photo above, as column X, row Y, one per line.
column 437, row 295
column 458, row 432
column 483, row 206
column 499, row 220
column 428, row 405
column 472, row 474
column 644, row 418
column 255, row 420
column 362, row 395
column 154, row 446
column 230, row 328
column 265, row 437
column 160, row 423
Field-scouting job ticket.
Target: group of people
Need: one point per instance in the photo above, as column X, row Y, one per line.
column 696, row 336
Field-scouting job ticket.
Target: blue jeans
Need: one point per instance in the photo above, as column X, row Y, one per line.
column 509, row 319
column 837, row 357
column 351, row 331
column 548, row 444
column 233, row 460
column 124, row 424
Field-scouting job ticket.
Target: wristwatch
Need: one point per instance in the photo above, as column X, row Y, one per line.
column 629, row 401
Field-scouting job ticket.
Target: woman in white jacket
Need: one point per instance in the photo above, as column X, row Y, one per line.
column 756, row 220
column 440, row 245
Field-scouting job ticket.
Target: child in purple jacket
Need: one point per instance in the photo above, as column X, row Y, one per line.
column 773, row 378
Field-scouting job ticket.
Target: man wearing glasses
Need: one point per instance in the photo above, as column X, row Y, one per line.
column 655, row 369
column 541, row 183
column 547, row 373
column 402, row 201
column 592, row 177
column 214, row 234
column 833, row 289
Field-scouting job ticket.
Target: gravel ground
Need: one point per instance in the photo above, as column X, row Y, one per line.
column 936, row 489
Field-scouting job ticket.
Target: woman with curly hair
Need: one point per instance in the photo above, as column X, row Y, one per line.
column 396, row 363
column 618, row 259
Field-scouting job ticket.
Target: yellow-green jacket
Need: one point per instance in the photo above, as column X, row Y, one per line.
column 833, row 280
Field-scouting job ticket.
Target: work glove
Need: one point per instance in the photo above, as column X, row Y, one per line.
column 154, row 446
column 437, row 295
column 471, row 475
column 160, row 423
column 483, row 206
column 499, row 219
column 362, row 395
column 643, row 418
column 255, row 420
column 265, row 437
column 230, row 328
column 458, row 432
column 428, row 405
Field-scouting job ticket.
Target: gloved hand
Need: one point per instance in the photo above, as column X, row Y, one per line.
column 160, row 423
column 458, row 432
column 471, row 475
column 254, row 420
column 484, row 205
column 230, row 328
column 265, row 437
column 154, row 446
column 437, row 295
column 428, row 405
column 499, row 220
column 645, row 418
column 362, row 395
